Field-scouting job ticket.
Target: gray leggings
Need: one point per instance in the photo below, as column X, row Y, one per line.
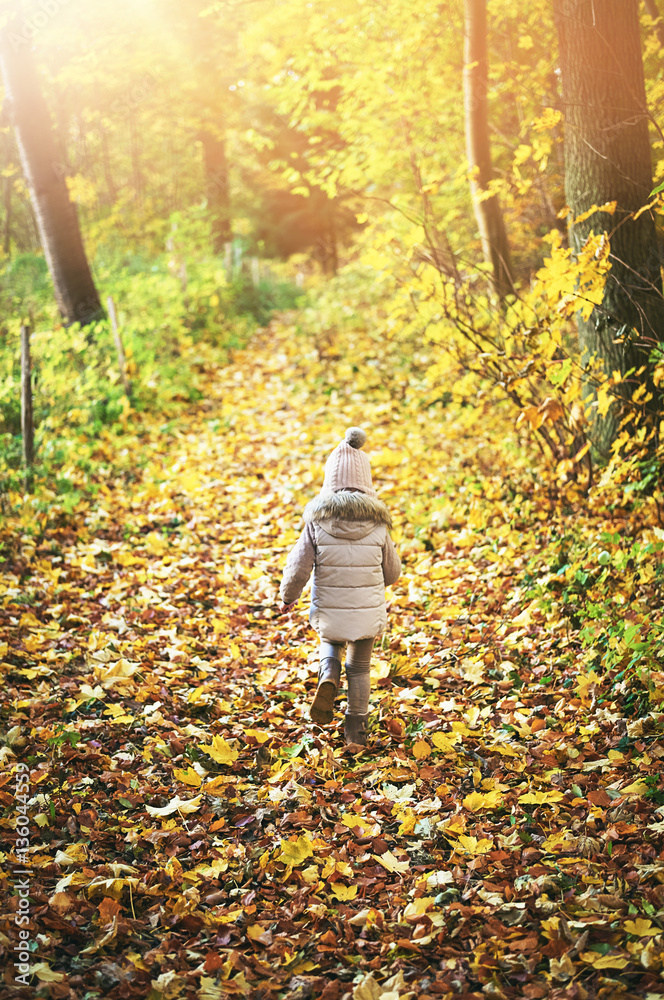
column 358, row 664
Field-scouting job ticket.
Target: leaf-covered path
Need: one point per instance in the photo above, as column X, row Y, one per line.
column 192, row 834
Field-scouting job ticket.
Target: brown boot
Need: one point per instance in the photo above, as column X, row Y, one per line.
column 329, row 676
column 355, row 729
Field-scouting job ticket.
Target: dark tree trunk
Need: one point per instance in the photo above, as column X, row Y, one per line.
column 217, row 187
column 607, row 158
column 56, row 217
column 488, row 213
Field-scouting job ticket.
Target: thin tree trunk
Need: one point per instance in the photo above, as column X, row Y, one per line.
column 7, row 234
column 217, row 187
column 111, row 192
column 607, row 158
column 488, row 213
column 27, row 426
column 137, row 176
column 654, row 12
column 7, row 197
column 56, row 217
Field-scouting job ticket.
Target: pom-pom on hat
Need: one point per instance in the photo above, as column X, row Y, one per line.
column 348, row 467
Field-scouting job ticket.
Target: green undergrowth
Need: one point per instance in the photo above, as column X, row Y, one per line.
column 179, row 315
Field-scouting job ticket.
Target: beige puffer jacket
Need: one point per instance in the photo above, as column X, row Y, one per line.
column 346, row 541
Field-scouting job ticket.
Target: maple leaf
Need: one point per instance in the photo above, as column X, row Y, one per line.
column 187, row 776
column 475, row 801
column 343, row 892
column 471, row 845
column 220, row 751
column 391, row 863
column 296, row 852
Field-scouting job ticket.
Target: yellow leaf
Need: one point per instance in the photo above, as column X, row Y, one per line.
column 638, row 787
column 255, row 932
column 220, row 751
column 522, row 620
column 296, row 852
column 541, row 798
column 641, row 927
column 604, row 400
column 155, row 544
column 471, row 845
column 369, row 989
column 75, row 854
column 188, row 776
column 421, row 749
column 532, row 415
column 446, row 741
column 603, row 961
column 609, row 207
column 213, row 870
column 418, row 907
column 391, row 864
column 476, row 801
column 548, row 120
column 562, row 841
column 45, row 974
column 257, row 735
column 551, row 409
column 116, row 672
column 408, row 823
column 343, row 892
column 358, row 823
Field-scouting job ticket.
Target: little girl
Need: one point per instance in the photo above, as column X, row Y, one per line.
column 346, row 541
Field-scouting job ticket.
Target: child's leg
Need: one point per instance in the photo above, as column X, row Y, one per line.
column 335, row 650
column 358, row 664
column 329, row 676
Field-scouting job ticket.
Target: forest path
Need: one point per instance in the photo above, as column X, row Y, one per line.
column 192, row 834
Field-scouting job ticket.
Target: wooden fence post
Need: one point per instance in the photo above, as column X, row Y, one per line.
column 27, row 425
column 118, row 345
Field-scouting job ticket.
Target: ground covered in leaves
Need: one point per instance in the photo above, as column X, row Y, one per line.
column 192, row 834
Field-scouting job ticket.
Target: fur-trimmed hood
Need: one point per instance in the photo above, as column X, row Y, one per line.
column 347, row 506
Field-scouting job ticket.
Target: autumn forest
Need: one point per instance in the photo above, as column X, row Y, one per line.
column 401, row 265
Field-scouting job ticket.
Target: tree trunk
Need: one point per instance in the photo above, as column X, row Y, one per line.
column 56, row 217
column 487, row 210
column 7, row 195
column 7, row 233
column 111, row 192
column 654, row 13
column 607, row 158
column 136, row 173
column 217, row 188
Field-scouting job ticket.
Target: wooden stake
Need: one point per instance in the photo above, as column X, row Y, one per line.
column 118, row 345
column 27, row 425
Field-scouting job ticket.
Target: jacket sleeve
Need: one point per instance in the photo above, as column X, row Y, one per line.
column 299, row 565
column 391, row 562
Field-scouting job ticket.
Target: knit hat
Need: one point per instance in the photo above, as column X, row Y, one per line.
column 348, row 467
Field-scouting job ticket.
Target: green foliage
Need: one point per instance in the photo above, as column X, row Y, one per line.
column 178, row 314
column 602, row 587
